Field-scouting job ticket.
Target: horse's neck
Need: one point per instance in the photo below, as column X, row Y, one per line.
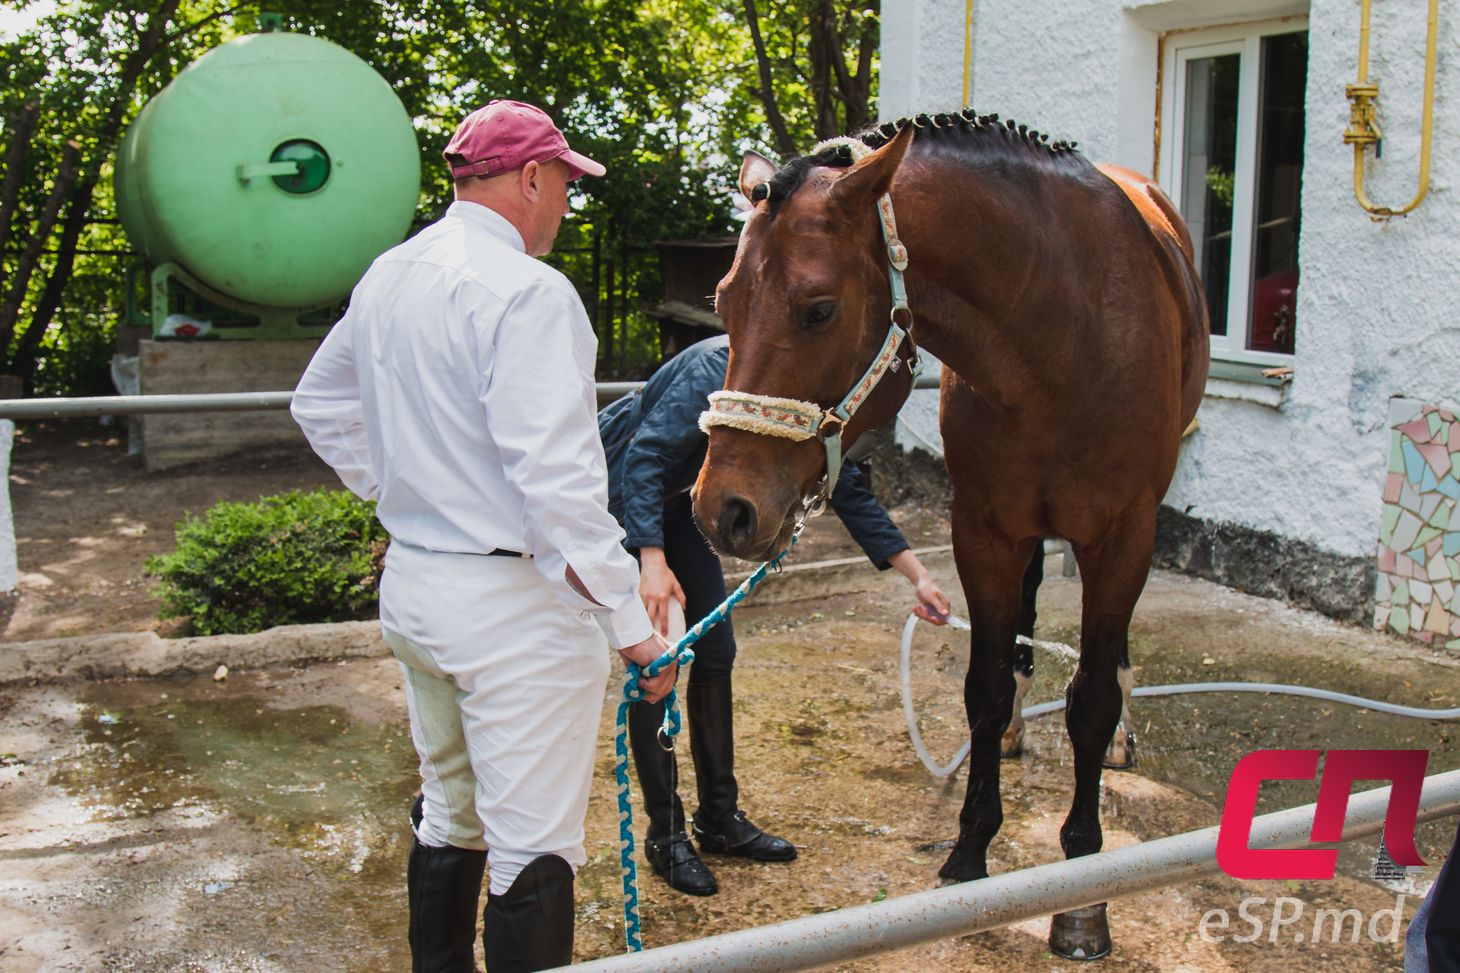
column 978, row 278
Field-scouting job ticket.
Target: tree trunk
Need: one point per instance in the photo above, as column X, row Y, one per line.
column 824, row 52
column 153, row 40
column 610, row 277
column 18, row 128
column 785, row 144
column 858, row 90
column 830, row 80
column 29, row 257
column 595, row 311
column 856, row 87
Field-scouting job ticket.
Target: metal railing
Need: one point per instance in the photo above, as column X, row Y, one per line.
column 136, row 405
column 1001, row 900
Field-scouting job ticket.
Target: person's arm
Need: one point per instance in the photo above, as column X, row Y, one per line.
column 538, row 400
column 883, row 543
column 326, row 405
column 668, row 433
column 864, row 518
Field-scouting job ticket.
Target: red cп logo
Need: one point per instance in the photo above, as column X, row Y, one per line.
column 1404, row 768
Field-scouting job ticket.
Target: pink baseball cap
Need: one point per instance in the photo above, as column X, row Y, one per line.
column 507, row 135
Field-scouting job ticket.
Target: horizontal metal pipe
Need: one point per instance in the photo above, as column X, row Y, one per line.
column 137, row 405
column 957, row 910
column 123, row 405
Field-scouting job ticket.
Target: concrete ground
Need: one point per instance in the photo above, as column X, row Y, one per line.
column 258, row 823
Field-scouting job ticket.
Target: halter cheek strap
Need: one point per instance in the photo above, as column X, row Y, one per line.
column 798, row 420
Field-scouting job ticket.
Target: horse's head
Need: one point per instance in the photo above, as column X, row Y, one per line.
column 807, row 304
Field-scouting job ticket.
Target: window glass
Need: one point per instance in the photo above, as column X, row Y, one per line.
column 1279, row 183
column 1235, row 165
column 1209, row 169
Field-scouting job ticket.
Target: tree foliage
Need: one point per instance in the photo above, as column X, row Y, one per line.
column 665, row 92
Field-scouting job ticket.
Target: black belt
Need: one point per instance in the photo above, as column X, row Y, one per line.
column 496, row 552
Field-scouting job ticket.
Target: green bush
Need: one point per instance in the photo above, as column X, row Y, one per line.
column 289, row 559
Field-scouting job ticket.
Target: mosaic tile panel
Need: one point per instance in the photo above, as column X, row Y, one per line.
column 1419, row 534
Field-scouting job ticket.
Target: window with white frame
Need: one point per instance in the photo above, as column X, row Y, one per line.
column 1232, row 159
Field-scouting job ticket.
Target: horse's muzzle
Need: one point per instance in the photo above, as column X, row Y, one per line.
column 736, row 525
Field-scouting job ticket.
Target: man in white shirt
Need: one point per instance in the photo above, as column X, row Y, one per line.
column 458, row 393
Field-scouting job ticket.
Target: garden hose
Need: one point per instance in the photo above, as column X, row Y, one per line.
column 1179, row 689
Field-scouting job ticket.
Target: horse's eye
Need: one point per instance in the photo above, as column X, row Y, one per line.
column 819, row 314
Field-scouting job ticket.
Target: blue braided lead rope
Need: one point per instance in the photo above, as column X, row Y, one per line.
column 683, row 655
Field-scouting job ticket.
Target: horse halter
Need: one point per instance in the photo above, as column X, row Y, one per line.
column 798, row 420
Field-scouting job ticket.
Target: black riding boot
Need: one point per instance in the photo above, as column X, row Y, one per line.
column 529, row 927
column 720, row 826
column 442, row 889
column 666, row 846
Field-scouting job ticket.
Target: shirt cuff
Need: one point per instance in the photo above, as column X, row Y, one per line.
column 635, row 541
column 627, row 626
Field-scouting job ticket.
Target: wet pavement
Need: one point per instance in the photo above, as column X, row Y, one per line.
column 258, row 824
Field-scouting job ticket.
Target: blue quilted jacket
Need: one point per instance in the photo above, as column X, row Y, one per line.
column 655, row 449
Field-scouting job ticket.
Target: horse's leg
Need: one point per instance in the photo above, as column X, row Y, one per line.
column 1012, row 744
column 1121, row 754
column 1114, row 570
column 989, row 568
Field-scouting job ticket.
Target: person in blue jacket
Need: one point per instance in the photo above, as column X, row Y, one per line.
column 1432, row 943
column 654, row 448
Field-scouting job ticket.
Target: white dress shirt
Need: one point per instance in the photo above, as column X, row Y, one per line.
column 457, row 391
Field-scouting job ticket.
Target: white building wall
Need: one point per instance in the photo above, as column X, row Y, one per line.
column 922, row 58
column 1377, row 303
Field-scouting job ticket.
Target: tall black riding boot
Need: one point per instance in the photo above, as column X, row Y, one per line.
column 666, row 846
column 720, row 826
column 529, row 927
column 442, row 889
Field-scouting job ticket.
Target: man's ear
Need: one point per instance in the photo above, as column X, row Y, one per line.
column 531, row 181
column 754, row 170
column 864, row 183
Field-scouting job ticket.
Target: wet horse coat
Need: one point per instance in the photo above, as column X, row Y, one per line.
column 1062, row 300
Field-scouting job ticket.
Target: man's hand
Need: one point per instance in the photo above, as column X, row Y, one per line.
column 644, row 653
column 657, row 584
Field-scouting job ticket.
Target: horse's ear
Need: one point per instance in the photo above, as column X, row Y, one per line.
column 755, row 170
column 871, row 177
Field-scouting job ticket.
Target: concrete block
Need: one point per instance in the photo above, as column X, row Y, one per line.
column 9, row 572
column 175, row 367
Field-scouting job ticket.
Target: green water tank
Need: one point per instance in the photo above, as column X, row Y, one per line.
column 273, row 169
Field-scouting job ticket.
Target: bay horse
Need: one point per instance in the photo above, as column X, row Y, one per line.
column 1062, row 299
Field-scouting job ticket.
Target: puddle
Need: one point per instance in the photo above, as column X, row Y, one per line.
column 299, row 812
column 312, row 777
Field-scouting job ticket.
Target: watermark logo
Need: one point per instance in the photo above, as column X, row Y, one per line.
column 1283, row 919
column 1405, row 769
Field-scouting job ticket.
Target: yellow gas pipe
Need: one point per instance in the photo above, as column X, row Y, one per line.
column 1363, row 130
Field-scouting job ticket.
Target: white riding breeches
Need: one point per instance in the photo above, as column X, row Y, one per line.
column 505, row 688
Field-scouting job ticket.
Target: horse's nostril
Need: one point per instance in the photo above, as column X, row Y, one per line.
column 737, row 521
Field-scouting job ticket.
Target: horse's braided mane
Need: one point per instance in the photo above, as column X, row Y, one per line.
column 977, row 135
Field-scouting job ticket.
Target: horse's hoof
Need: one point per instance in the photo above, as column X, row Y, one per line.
column 1083, row 934
column 1121, row 758
column 961, row 867
column 1012, row 743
